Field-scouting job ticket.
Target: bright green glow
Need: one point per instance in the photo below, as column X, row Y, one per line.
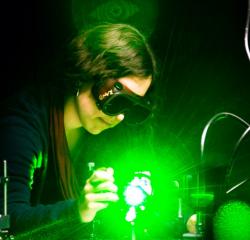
column 161, row 207
column 138, row 189
column 232, row 221
column 39, row 160
column 37, row 163
column 202, row 199
column 138, row 151
column 131, row 214
column 134, row 196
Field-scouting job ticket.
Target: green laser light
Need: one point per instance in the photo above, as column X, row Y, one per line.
column 134, row 195
column 138, row 189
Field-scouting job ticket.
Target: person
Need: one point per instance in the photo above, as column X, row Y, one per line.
column 108, row 72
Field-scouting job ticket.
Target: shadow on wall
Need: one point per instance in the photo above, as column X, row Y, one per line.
column 141, row 14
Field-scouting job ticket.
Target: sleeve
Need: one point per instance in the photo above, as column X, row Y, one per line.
column 21, row 145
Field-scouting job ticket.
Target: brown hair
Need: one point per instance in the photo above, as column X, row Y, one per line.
column 108, row 51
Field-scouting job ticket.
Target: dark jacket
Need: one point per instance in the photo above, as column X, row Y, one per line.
column 35, row 203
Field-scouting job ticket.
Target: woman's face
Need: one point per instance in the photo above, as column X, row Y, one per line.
column 93, row 119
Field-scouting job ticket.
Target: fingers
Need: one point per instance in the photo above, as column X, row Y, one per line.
column 101, row 197
column 101, row 181
column 101, row 175
column 101, row 187
column 97, row 206
column 98, row 192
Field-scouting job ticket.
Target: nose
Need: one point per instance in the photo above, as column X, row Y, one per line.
column 120, row 117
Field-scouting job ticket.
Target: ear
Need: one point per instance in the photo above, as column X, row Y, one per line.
column 97, row 86
column 76, row 87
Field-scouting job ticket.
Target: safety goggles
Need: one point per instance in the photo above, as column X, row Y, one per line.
column 113, row 98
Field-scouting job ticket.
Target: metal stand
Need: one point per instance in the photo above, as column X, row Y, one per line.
column 133, row 235
column 93, row 235
column 201, row 203
column 5, row 218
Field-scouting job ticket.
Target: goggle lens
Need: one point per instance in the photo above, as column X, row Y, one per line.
column 135, row 108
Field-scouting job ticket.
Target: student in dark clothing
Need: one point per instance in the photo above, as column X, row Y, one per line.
column 108, row 74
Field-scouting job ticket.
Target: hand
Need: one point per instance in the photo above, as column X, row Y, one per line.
column 98, row 192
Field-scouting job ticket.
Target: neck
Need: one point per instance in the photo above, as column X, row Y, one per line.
column 71, row 118
column 72, row 123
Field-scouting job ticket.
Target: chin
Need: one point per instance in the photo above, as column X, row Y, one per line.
column 96, row 131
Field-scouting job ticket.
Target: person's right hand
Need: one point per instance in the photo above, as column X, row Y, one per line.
column 98, row 192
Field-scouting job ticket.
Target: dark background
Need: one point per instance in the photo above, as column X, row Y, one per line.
column 203, row 65
column 199, row 45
